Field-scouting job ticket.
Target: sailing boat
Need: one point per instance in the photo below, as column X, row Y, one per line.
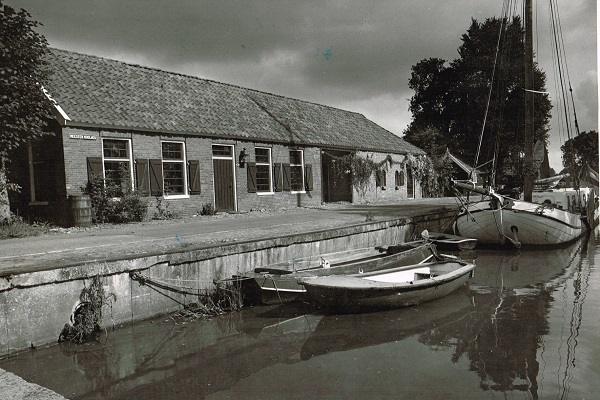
column 500, row 220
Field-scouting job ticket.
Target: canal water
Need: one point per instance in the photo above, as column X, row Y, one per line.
column 526, row 327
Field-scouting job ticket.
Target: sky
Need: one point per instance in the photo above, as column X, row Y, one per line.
column 354, row 55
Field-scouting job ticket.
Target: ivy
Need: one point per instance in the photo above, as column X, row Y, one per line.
column 432, row 175
column 361, row 170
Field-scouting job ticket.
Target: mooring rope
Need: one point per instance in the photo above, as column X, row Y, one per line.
column 143, row 280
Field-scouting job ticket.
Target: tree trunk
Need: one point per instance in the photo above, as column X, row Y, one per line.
column 4, row 204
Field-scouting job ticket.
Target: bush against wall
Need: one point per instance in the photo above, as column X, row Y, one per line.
column 111, row 204
column 162, row 210
column 432, row 174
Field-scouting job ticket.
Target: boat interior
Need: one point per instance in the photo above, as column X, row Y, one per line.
column 338, row 259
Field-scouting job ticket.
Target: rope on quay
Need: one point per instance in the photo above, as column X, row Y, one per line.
column 208, row 304
column 145, row 281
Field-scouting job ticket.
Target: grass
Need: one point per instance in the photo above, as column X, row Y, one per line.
column 16, row 228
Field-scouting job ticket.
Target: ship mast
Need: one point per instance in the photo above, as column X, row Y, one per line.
column 529, row 175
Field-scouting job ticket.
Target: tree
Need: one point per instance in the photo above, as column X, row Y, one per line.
column 435, row 177
column 452, row 97
column 581, row 151
column 24, row 108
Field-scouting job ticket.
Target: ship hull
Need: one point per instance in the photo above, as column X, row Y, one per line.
column 523, row 223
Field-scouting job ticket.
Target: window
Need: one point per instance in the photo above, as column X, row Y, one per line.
column 399, row 179
column 381, row 179
column 297, row 170
column 222, row 150
column 116, row 161
column 174, row 174
column 410, row 184
column 263, row 170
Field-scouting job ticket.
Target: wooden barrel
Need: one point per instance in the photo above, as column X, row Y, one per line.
column 81, row 210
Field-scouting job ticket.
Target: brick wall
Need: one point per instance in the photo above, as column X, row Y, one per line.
column 390, row 192
column 148, row 146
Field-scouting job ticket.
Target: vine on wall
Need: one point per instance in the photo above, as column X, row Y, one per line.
column 361, row 169
column 431, row 176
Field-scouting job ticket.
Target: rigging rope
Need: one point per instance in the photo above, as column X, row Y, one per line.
column 557, row 49
column 559, row 118
column 567, row 68
column 487, row 106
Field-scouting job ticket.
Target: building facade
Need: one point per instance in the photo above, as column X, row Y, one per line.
column 190, row 142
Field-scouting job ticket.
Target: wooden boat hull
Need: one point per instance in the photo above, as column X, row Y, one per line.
column 355, row 294
column 281, row 288
column 534, row 224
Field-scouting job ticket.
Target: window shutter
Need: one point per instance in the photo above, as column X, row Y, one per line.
column 287, row 172
column 308, row 177
column 142, row 182
column 194, row 176
column 94, row 168
column 277, row 181
column 156, row 177
column 251, row 174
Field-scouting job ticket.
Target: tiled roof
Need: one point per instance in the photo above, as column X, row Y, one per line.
column 100, row 92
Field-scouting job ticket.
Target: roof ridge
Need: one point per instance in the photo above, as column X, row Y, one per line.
column 204, row 79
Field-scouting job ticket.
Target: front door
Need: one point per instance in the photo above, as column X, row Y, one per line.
column 223, row 178
column 336, row 181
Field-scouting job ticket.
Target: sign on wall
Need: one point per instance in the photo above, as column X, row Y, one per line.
column 82, row 137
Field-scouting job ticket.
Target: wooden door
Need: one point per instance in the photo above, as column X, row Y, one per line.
column 224, row 191
column 336, row 185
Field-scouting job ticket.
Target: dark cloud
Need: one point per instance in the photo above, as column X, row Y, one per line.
column 352, row 54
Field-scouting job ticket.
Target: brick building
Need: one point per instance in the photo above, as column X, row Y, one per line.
column 191, row 141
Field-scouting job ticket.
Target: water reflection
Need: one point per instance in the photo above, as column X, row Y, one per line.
column 517, row 328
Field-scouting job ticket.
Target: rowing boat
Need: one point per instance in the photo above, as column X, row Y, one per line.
column 274, row 284
column 389, row 288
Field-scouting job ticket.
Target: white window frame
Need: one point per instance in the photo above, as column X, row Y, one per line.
column 295, row 165
column 270, row 165
column 129, row 159
column 186, row 193
column 232, row 158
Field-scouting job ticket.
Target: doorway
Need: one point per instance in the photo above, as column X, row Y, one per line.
column 224, row 177
column 336, row 181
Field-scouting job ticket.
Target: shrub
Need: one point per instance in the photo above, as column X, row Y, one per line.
column 15, row 227
column 111, row 204
column 131, row 207
column 207, row 209
column 162, row 210
column 85, row 321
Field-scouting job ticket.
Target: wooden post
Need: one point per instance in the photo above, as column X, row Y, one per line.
column 528, row 96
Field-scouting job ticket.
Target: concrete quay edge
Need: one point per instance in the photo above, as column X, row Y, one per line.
column 68, row 270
